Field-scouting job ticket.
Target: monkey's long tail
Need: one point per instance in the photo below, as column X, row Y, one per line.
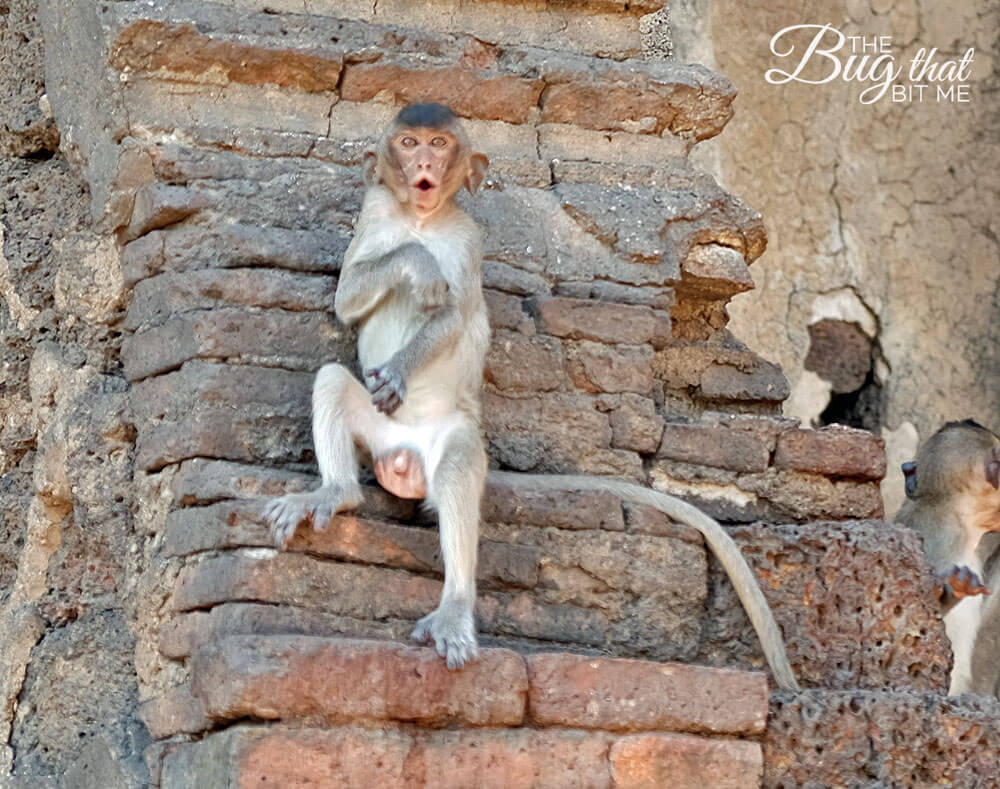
column 721, row 544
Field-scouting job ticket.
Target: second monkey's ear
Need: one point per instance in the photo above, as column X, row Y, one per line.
column 910, row 476
column 368, row 172
column 477, row 172
column 993, row 472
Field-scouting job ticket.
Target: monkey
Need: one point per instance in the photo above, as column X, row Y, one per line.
column 953, row 500
column 411, row 279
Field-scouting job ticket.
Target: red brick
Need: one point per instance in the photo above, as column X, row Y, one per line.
column 342, row 680
column 638, row 695
column 835, row 451
column 471, row 93
column 351, row 756
column 179, row 49
column 655, row 761
column 718, row 446
column 579, row 319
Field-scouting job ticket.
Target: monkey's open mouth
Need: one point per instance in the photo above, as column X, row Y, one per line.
column 424, row 185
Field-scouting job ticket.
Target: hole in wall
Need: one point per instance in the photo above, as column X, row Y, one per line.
column 841, row 353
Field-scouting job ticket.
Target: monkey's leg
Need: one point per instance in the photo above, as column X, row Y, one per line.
column 456, row 469
column 342, row 414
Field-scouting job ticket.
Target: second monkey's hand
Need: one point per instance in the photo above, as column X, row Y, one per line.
column 387, row 385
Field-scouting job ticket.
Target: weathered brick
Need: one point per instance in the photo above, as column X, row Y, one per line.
column 687, row 100
column 713, row 445
column 611, row 368
column 341, row 680
column 156, row 299
column 347, row 538
column 715, row 271
column 511, row 500
column 577, row 319
column 765, row 383
column 159, row 205
column 232, row 245
column 638, row 695
column 653, row 761
column 469, row 93
column 554, row 433
column 233, row 412
column 185, row 632
column 297, row 579
column 159, row 48
column 835, row 451
column 635, row 424
column 507, row 312
column 175, row 712
column 199, row 481
column 291, row 340
column 517, row 363
column 641, row 519
column 409, row 759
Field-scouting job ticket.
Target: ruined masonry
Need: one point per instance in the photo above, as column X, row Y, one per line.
column 220, row 144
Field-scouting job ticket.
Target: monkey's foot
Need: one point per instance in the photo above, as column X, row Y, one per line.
column 320, row 505
column 451, row 628
column 402, row 474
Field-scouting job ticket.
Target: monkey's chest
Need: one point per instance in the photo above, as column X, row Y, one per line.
column 388, row 329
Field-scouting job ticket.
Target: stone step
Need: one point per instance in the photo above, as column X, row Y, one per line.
column 355, row 61
column 558, row 570
column 881, row 738
column 340, row 681
column 408, row 758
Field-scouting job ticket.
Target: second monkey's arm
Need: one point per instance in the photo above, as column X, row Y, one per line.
column 363, row 283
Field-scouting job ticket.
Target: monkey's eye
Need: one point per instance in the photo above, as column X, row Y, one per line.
column 408, row 142
column 439, row 142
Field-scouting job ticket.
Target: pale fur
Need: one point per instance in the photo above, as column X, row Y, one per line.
column 439, row 416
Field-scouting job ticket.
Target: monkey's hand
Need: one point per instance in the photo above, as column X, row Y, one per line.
column 430, row 289
column 387, row 385
column 957, row 583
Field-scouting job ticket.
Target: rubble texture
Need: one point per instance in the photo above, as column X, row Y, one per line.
column 168, row 274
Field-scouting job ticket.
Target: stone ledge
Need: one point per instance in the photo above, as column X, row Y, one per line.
column 483, row 758
column 340, row 681
column 634, row 695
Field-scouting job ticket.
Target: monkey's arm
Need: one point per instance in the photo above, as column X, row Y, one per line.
column 387, row 383
column 365, row 282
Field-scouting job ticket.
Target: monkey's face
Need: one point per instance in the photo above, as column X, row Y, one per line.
column 428, row 165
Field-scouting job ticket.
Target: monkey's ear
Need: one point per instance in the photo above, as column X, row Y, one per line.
column 993, row 472
column 910, row 475
column 477, row 171
column 368, row 168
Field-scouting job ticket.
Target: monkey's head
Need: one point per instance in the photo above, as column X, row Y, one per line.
column 962, row 459
column 424, row 158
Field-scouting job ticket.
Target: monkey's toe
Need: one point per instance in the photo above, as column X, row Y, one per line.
column 452, row 632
